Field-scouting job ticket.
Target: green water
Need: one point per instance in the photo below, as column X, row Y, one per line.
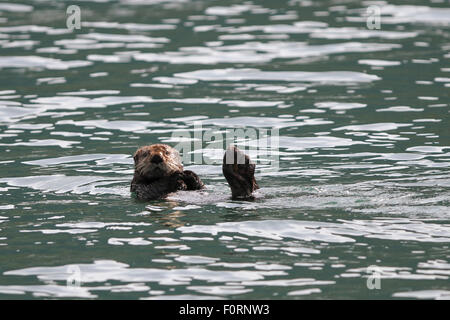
column 364, row 149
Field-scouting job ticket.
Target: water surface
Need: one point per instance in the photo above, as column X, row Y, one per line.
column 363, row 118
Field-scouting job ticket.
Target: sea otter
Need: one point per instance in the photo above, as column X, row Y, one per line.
column 158, row 171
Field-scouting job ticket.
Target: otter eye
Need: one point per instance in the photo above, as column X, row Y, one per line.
column 167, row 153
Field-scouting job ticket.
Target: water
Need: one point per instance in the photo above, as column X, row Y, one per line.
column 363, row 117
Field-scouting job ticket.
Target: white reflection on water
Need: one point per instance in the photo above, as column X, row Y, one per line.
column 104, row 270
column 257, row 52
column 62, row 184
column 424, row 294
column 396, row 14
column 232, row 74
column 344, row 231
column 40, row 62
column 235, row 282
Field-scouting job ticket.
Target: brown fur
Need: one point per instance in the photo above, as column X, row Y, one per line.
column 145, row 169
column 158, row 171
column 239, row 171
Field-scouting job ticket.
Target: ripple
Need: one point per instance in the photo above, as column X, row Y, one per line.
column 424, row 294
column 294, row 143
column 40, row 62
column 305, row 292
column 44, row 143
column 123, row 38
column 130, row 241
column 122, row 125
column 379, row 63
column 55, row 291
column 261, row 122
column 100, row 159
column 64, row 291
column 220, row 290
column 10, row 113
column 354, row 33
column 109, row 270
column 330, row 232
column 229, row 11
column 387, row 126
column 428, row 149
column 278, row 230
column 128, row 26
column 257, row 52
column 332, row 105
column 196, row 259
column 232, row 74
column 61, row 184
column 400, row 109
column 15, row 7
column 395, row 14
column 363, row 154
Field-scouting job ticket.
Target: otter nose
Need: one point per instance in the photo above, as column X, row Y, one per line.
column 156, row 159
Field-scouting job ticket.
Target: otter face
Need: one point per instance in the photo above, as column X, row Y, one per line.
column 156, row 161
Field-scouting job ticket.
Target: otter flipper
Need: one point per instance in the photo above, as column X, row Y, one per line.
column 240, row 174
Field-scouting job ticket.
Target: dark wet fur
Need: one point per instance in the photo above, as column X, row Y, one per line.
column 157, row 189
column 240, row 174
column 238, row 170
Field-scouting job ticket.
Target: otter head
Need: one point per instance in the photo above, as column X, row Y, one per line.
column 157, row 161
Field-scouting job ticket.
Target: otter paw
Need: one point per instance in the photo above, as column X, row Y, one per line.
column 192, row 181
column 239, row 172
column 176, row 183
